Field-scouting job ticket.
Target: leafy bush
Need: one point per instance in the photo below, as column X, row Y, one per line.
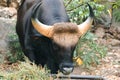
column 114, row 7
column 15, row 53
column 78, row 10
column 116, row 10
column 116, row 15
column 89, row 51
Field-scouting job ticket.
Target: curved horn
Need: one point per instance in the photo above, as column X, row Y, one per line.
column 40, row 27
column 84, row 27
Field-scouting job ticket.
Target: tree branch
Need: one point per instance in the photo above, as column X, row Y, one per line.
column 68, row 3
column 75, row 8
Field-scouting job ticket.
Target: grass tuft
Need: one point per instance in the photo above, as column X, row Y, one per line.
column 25, row 71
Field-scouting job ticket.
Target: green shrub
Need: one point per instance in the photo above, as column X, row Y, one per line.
column 89, row 51
column 78, row 10
column 116, row 10
column 15, row 52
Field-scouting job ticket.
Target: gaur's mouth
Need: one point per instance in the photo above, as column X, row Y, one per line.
column 66, row 68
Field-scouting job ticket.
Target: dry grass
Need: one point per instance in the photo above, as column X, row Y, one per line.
column 23, row 71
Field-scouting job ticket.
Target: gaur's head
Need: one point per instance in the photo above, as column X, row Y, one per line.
column 64, row 37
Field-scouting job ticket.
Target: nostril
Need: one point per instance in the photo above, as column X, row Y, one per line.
column 68, row 65
column 68, row 69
